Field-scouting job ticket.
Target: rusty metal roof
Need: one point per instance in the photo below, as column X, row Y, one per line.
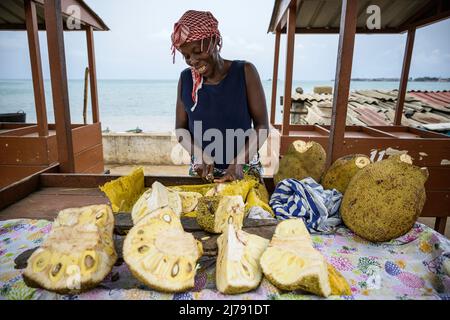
column 375, row 107
column 323, row 16
column 12, row 15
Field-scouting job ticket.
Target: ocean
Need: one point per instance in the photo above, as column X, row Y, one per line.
column 148, row 104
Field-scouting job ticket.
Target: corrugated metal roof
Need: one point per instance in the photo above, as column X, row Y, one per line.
column 323, row 16
column 376, row 107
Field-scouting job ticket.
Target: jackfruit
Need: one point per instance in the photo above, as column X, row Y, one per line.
column 339, row 286
column 77, row 254
column 161, row 255
column 237, row 268
column 189, row 201
column 157, row 197
column 384, row 200
column 302, row 160
column 125, row 191
column 340, row 173
column 235, row 188
column 215, row 213
column 291, row 263
column 200, row 188
column 254, row 199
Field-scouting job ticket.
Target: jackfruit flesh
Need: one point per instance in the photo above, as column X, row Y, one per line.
column 235, row 188
column 215, row 213
column 291, row 263
column 189, row 201
column 157, row 197
column 238, row 269
column 77, row 254
column 162, row 255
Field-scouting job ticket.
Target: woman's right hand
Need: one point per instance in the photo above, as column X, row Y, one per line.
column 205, row 170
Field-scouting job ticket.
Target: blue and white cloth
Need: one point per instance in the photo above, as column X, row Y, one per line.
column 306, row 199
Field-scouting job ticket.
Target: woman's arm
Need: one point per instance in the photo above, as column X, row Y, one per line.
column 258, row 112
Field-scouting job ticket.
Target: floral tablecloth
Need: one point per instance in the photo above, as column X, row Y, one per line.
column 414, row 266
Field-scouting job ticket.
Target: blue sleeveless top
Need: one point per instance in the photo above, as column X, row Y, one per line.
column 221, row 106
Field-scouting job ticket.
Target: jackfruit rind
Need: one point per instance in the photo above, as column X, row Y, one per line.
column 384, row 200
column 155, row 198
column 125, row 191
column 237, row 268
column 162, row 256
column 340, row 173
column 302, row 160
column 214, row 213
column 291, row 263
column 77, row 254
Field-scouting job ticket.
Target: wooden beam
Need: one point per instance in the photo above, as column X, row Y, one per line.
column 404, row 77
column 276, row 60
column 87, row 16
column 92, row 74
column 292, row 17
column 326, row 30
column 282, row 11
column 36, row 67
column 342, row 79
column 60, row 93
column 440, row 224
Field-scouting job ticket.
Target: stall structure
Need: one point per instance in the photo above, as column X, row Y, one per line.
column 346, row 18
column 26, row 149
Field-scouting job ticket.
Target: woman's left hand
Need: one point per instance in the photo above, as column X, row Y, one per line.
column 234, row 172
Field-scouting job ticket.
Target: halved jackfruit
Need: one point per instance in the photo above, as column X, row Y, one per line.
column 215, row 213
column 157, row 197
column 290, row 262
column 162, row 256
column 77, row 254
column 237, row 268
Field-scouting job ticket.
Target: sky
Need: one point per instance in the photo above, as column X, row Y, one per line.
column 138, row 44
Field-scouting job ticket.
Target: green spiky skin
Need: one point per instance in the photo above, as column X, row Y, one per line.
column 340, row 173
column 299, row 166
column 206, row 209
column 384, row 200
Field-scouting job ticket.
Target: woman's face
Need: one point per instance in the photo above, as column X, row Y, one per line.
column 202, row 60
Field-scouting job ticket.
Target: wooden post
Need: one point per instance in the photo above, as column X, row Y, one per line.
column 276, row 59
column 291, row 22
column 86, row 80
column 36, row 67
column 342, row 79
column 60, row 93
column 404, row 78
column 92, row 74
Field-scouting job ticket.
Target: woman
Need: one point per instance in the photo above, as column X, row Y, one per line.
column 215, row 98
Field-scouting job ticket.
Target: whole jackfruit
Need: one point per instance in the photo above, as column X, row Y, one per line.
column 215, row 213
column 340, row 173
column 291, row 263
column 157, row 197
column 302, row 160
column 384, row 200
column 77, row 254
column 161, row 255
column 238, row 269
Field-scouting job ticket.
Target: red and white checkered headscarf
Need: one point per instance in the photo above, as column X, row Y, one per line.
column 195, row 26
